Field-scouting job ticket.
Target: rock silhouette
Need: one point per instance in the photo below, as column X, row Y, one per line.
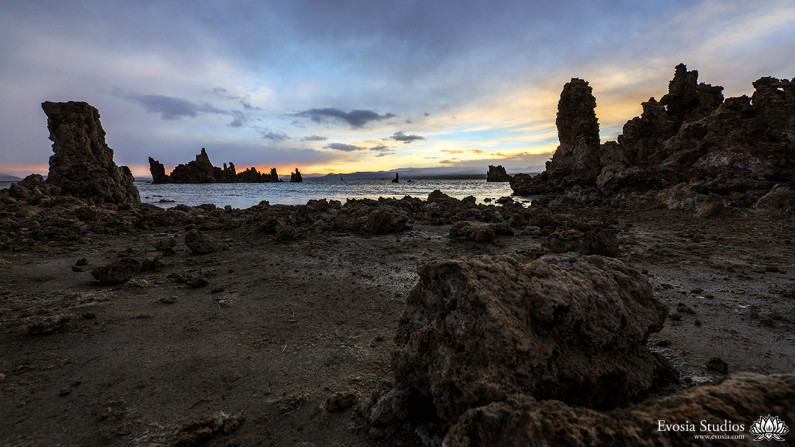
column 738, row 148
column 497, row 174
column 82, row 164
column 295, row 177
column 158, row 172
column 201, row 170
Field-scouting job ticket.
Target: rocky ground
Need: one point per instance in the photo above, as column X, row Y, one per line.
column 290, row 332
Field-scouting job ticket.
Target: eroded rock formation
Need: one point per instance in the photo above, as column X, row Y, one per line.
column 82, row 164
column 295, row 177
column 566, row 327
column 497, row 174
column 201, row 170
column 576, row 160
column 158, row 172
column 738, row 148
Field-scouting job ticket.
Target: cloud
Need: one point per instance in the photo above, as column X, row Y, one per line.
column 238, row 119
column 383, row 150
column 344, row 147
column 273, row 136
column 406, row 139
column 355, row 118
column 464, row 151
column 314, row 138
column 170, row 107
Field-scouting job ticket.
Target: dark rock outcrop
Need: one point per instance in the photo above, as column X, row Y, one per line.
column 201, row 244
column 295, row 177
column 737, row 149
column 562, row 327
column 251, row 175
column 591, row 242
column 82, row 164
column 780, row 197
column 201, row 431
column 522, row 421
column 576, row 160
column 117, row 272
column 158, row 172
column 397, row 178
column 497, row 174
column 476, row 233
column 386, row 220
column 201, row 170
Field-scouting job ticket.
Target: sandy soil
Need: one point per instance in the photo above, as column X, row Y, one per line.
column 282, row 326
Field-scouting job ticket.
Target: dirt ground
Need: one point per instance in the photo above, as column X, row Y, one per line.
column 282, row 326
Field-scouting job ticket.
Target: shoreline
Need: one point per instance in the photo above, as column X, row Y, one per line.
column 287, row 320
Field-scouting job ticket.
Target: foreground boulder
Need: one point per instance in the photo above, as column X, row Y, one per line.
column 566, row 327
column 730, row 407
column 82, row 164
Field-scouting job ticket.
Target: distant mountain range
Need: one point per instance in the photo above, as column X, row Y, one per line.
column 408, row 173
column 9, row 178
column 465, row 172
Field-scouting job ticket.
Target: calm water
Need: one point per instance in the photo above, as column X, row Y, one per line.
column 244, row 195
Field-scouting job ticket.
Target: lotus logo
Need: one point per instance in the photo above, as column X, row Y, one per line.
column 769, row 427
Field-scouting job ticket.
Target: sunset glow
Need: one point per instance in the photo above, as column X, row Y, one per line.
column 356, row 87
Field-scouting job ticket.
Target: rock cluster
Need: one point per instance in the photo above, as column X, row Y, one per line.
column 201, row 170
column 566, row 327
column 82, row 164
column 738, row 148
column 522, row 421
column 497, row 174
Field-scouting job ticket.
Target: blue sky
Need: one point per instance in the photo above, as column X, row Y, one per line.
column 361, row 85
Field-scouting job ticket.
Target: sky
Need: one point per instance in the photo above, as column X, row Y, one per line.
column 361, row 85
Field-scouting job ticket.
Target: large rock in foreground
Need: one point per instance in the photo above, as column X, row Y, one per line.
column 82, row 164
column 730, row 407
column 566, row 327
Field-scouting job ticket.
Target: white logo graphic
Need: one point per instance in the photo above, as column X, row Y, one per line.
column 769, row 427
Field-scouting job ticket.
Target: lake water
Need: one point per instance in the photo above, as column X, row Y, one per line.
column 244, row 195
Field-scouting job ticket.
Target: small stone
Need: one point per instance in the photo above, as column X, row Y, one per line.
column 341, row 401
column 201, row 244
column 718, row 365
column 82, row 261
column 118, row 272
column 197, row 282
column 77, row 269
